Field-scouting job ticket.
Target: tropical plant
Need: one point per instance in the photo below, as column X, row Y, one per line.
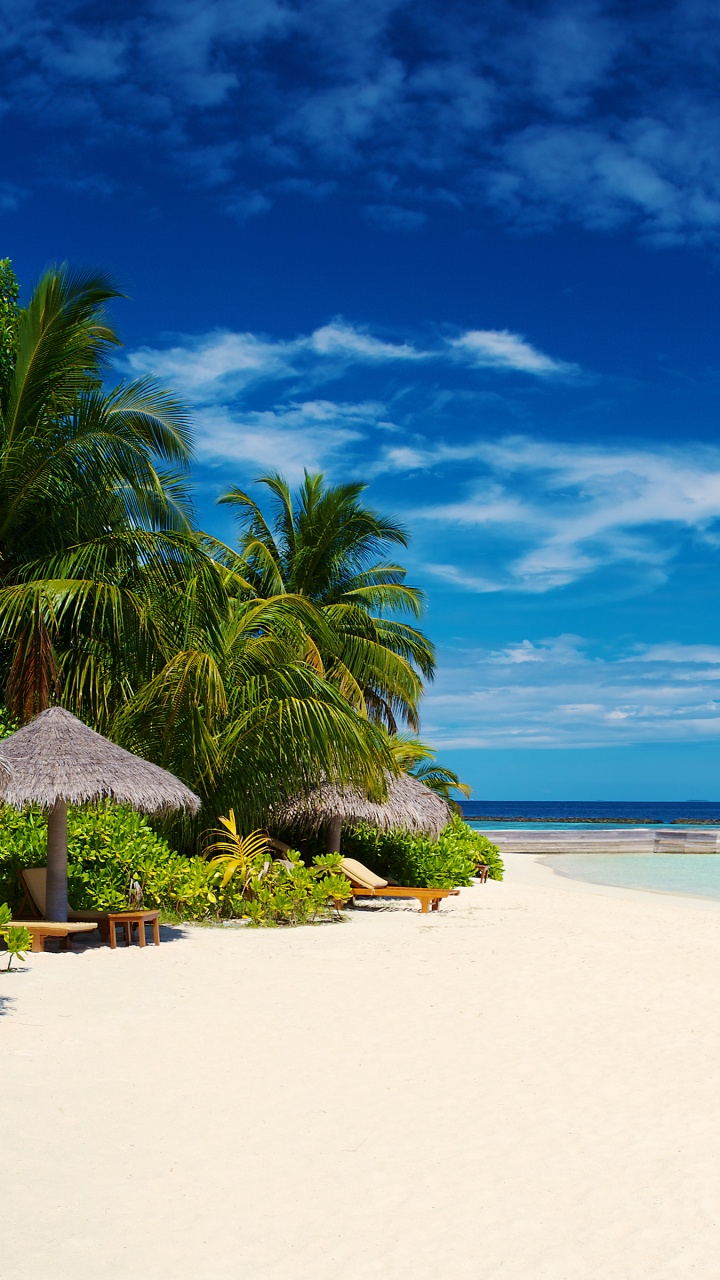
column 112, row 848
column 451, row 860
column 17, row 939
column 284, row 891
column 109, row 846
column 93, row 502
column 325, row 545
column 112, row 604
column 233, row 707
column 243, row 859
column 418, row 759
column 461, row 839
column 9, row 294
column 297, row 894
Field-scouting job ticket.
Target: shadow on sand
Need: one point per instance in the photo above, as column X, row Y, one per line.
column 93, row 942
column 6, row 1002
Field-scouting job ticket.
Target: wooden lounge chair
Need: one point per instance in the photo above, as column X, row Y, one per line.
column 365, row 884
column 33, row 881
column 42, row 929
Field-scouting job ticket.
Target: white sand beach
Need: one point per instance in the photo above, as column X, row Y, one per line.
column 525, row 1085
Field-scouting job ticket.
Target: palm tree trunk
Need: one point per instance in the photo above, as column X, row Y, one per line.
column 334, row 835
column 56, row 905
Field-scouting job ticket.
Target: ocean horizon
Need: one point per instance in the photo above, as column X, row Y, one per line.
column 591, row 812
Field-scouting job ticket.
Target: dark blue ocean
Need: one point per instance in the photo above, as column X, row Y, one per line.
column 656, row 812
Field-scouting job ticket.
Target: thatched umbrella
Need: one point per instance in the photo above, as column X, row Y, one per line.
column 410, row 805
column 56, row 760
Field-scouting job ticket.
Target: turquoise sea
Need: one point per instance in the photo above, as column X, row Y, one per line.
column 697, row 875
column 692, row 874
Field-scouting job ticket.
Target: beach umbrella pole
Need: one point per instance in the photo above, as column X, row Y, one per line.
column 56, row 906
column 334, row 834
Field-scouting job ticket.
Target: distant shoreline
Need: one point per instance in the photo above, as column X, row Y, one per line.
column 608, row 822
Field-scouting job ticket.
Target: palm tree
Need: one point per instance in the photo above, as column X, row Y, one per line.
column 110, row 602
column 420, row 760
column 113, row 604
column 327, row 546
column 88, row 477
column 231, row 703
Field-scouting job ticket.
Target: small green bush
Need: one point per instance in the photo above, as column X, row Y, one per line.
column 446, row 863
column 297, row 894
column 17, row 939
column 461, row 838
column 268, row 892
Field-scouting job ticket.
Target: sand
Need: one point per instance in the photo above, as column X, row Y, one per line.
column 524, row 1086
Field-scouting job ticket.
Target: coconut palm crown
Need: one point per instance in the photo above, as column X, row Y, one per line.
column 326, row 545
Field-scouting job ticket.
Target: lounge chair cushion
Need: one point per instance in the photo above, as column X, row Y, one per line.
column 35, row 878
column 36, row 881
column 361, row 875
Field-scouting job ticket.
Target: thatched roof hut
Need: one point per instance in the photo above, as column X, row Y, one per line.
column 409, row 805
column 57, row 757
column 56, row 760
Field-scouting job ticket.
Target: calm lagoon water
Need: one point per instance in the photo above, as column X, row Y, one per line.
column 697, row 875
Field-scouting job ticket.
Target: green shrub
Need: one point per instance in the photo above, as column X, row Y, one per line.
column 460, row 837
column 416, row 860
column 297, row 894
column 111, row 847
column 282, row 892
column 108, row 847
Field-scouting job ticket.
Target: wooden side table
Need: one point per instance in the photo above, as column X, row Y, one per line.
column 126, row 919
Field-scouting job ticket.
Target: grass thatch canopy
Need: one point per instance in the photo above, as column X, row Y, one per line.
column 58, row 758
column 409, row 805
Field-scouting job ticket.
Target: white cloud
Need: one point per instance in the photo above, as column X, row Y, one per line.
column 304, row 436
column 551, row 112
column 580, row 508
column 469, row 581
column 687, row 653
column 218, row 365
column 246, row 204
column 558, row 651
column 559, row 693
column 340, row 339
column 215, row 364
column 500, row 349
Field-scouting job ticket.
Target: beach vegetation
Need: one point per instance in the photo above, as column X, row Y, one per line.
column 17, row 939
column 109, row 847
column 291, row 893
column 283, row 891
column 253, row 673
column 326, row 545
column 449, row 862
column 115, row 859
column 115, row 605
column 420, row 761
column 242, row 859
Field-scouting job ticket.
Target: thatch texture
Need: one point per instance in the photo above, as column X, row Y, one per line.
column 58, row 758
column 409, row 805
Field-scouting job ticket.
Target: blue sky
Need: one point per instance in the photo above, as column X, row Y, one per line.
column 467, row 252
